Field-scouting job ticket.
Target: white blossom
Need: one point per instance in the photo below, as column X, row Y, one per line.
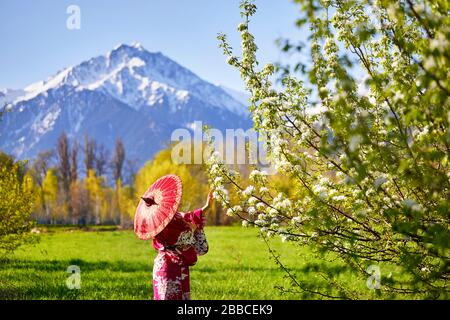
column 260, row 206
column 339, row 198
column 355, row 141
column 296, row 220
column 263, row 190
column 248, row 191
column 218, row 180
column 252, row 200
column 237, row 208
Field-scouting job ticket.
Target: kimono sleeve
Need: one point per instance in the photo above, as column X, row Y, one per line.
column 195, row 217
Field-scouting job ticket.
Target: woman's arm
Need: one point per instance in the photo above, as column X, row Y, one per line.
column 197, row 217
column 209, row 201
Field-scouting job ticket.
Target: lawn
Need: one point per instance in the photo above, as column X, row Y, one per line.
column 116, row 265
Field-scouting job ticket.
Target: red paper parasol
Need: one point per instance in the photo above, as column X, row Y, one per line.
column 157, row 207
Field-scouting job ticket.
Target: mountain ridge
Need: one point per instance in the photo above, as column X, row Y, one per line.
column 157, row 93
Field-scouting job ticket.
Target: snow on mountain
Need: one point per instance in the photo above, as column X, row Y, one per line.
column 129, row 92
column 138, row 78
column 9, row 95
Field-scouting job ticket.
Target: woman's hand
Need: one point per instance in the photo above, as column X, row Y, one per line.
column 209, row 201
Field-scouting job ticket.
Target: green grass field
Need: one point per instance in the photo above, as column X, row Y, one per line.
column 116, row 265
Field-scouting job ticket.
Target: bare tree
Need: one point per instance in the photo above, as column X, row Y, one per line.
column 41, row 165
column 64, row 163
column 64, row 169
column 38, row 171
column 74, row 162
column 89, row 153
column 80, row 202
column 101, row 159
column 117, row 167
column 118, row 160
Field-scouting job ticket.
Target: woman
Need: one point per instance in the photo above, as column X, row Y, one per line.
column 178, row 245
column 178, row 237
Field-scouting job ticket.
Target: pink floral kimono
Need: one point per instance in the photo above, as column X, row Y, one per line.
column 178, row 247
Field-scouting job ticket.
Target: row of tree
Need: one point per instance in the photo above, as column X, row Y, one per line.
column 84, row 183
column 65, row 194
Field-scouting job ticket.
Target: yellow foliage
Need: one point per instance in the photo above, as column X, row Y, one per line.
column 96, row 191
column 32, row 188
column 194, row 191
column 50, row 189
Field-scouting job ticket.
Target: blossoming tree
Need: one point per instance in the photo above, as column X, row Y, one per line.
column 369, row 168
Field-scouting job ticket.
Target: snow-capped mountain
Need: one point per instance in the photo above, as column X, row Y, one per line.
column 131, row 93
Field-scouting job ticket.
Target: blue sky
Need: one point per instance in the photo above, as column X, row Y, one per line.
column 36, row 42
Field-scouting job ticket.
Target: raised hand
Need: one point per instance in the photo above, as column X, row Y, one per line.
column 209, row 201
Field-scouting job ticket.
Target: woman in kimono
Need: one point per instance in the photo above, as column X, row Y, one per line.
column 178, row 246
